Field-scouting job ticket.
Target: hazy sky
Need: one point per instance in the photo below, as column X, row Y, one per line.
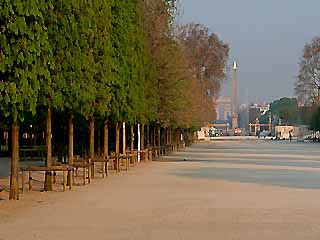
column 266, row 38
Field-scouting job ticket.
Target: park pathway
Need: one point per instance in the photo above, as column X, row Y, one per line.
column 222, row 190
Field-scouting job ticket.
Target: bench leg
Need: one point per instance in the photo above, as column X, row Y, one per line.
column 89, row 173
column 107, row 168
column 128, row 163
column 22, row 181
column 117, row 165
column 103, row 168
column 84, row 175
column 54, row 177
column 73, row 176
column 30, row 181
column 65, row 175
column 71, row 172
column 92, row 170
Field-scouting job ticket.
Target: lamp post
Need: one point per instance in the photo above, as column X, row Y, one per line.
column 139, row 142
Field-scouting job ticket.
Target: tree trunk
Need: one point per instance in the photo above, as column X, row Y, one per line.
column 148, row 136
column 91, row 127
column 142, row 137
column 154, row 137
column 48, row 175
column 168, row 135
column 14, row 184
column 117, row 138
column 159, row 140
column 123, row 138
column 70, row 155
column 99, row 141
column 165, row 140
column 139, row 142
column 106, row 140
column 132, row 138
column 70, row 150
column 172, row 132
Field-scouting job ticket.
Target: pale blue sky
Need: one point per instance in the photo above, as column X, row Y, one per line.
column 266, row 37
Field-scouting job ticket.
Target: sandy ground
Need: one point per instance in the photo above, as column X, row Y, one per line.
column 259, row 190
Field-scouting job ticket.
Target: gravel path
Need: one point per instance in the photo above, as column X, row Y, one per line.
column 258, row 191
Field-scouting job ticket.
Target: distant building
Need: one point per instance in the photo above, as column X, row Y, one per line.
column 263, row 108
column 223, row 108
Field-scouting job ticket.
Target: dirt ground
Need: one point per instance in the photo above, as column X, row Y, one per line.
column 223, row 190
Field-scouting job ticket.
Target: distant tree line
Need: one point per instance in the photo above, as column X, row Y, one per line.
column 307, row 85
column 107, row 62
column 285, row 111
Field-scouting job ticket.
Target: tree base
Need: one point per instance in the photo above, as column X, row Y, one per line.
column 14, row 190
column 48, row 181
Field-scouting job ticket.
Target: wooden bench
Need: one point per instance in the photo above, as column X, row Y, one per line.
column 104, row 160
column 181, row 145
column 167, row 149
column 66, row 169
column 135, row 154
column 162, row 150
column 155, row 152
column 150, row 151
column 133, row 157
column 143, row 155
column 114, row 160
column 85, row 164
column 124, row 158
column 33, row 152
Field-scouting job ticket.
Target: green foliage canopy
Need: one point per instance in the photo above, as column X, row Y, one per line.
column 78, row 33
column 24, row 55
column 128, row 62
column 116, row 59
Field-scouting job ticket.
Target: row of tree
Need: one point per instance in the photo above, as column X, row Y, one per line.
column 113, row 61
column 307, row 85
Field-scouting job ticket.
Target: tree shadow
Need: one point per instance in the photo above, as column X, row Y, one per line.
column 268, row 177
column 289, row 162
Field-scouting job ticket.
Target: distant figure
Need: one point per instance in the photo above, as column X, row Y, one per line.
column 290, row 136
column 258, row 134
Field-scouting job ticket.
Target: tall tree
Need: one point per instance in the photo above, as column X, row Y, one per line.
column 79, row 36
column 158, row 16
column 307, row 86
column 24, row 63
column 65, row 40
column 286, row 109
column 207, row 56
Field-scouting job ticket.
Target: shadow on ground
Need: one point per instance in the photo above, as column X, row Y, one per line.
column 289, row 162
column 268, row 177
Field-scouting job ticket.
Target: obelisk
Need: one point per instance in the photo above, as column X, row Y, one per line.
column 235, row 98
